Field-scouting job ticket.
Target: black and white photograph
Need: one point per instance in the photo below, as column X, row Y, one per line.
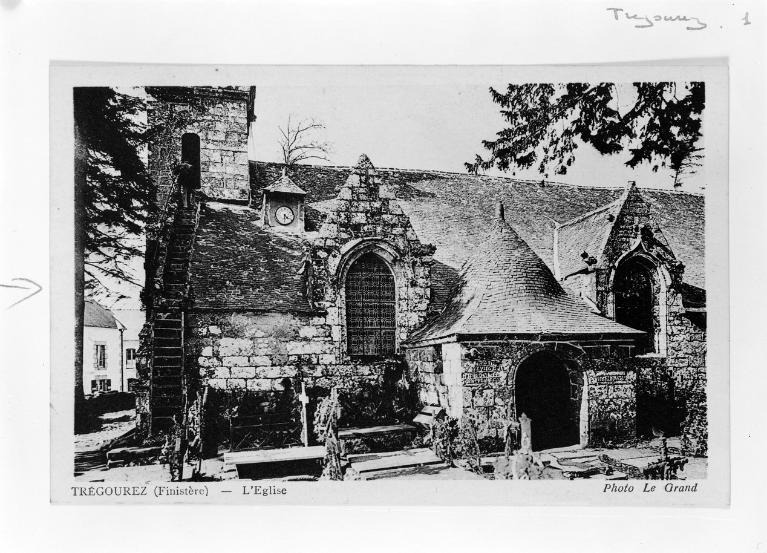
column 435, row 276
column 391, row 278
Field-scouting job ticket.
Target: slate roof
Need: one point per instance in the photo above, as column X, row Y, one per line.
column 236, row 264
column 97, row 316
column 505, row 288
column 453, row 211
column 285, row 185
column 586, row 234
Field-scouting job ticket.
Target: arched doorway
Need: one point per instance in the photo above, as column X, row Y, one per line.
column 635, row 301
column 542, row 392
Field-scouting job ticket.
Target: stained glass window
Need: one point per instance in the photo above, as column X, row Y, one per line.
column 370, row 296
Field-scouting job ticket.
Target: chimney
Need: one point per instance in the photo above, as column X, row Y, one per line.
column 499, row 212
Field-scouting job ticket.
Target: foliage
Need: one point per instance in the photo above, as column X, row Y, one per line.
column 298, row 143
column 117, row 193
column 444, row 439
column 243, row 403
column 471, row 437
column 248, row 418
column 468, row 447
column 326, row 428
column 695, row 425
column 664, row 469
column 393, row 399
column 546, row 122
column 326, row 415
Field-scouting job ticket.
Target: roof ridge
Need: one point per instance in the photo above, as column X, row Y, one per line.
column 501, row 178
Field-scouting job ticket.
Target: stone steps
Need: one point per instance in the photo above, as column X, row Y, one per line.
column 369, row 463
column 277, row 463
column 375, row 438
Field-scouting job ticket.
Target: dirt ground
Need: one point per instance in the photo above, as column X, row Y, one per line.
column 113, row 425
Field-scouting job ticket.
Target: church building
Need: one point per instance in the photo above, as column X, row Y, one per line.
column 488, row 297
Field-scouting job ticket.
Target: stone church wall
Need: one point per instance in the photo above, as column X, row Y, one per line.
column 477, row 379
column 257, row 351
column 677, row 371
column 268, row 356
column 686, row 359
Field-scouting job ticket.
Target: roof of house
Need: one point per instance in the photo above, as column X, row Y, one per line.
column 97, row 316
column 505, row 288
column 453, row 211
column 237, row 264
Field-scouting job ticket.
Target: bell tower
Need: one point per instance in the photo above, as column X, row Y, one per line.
column 209, row 123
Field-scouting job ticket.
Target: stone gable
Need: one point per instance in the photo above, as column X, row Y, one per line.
column 365, row 217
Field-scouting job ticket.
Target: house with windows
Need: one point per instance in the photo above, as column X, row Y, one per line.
column 130, row 314
column 103, row 367
column 488, row 297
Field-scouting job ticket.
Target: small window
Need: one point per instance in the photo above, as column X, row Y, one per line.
column 132, row 382
column 438, row 359
column 101, row 385
column 190, row 153
column 101, row 356
column 130, row 358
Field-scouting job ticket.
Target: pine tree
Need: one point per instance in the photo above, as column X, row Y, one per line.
column 546, row 123
column 113, row 200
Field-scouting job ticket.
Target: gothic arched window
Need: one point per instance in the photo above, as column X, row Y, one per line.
column 370, row 310
column 636, row 300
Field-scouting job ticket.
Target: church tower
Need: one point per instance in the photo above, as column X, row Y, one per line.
column 206, row 127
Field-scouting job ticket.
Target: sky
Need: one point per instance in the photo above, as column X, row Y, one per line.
column 420, row 126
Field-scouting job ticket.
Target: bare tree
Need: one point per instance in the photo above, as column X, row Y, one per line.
column 299, row 144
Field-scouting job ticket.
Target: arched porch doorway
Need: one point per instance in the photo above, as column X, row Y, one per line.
column 542, row 392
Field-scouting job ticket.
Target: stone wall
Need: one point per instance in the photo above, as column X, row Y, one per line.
column 677, row 372
column 220, row 118
column 256, row 351
column 364, row 218
column 611, row 403
column 266, row 354
column 478, row 379
column 686, row 359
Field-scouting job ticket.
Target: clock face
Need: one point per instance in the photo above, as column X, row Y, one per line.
column 284, row 215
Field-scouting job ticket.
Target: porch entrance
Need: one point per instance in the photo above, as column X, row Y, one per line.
column 542, row 392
